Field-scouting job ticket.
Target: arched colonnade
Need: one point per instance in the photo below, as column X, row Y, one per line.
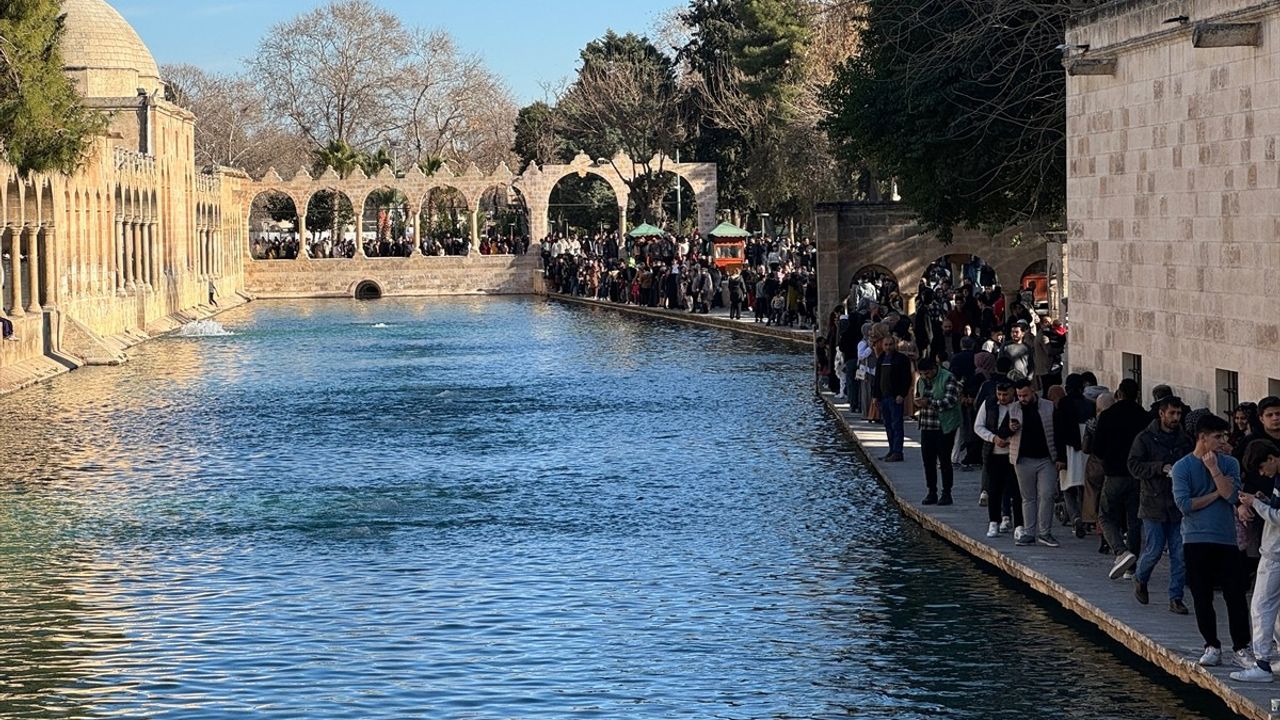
column 534, row 186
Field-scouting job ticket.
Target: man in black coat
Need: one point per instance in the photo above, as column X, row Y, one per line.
column 1118, row 425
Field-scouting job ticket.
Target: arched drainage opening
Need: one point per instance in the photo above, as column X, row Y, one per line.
column 368, row 290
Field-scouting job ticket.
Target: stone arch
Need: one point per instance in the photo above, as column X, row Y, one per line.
column 332, row 217
column 608, row 219
column 875, row 269
column 367, row 290
column 503, row 211
column 460, row 212
column 389, row 218
column 266, row 239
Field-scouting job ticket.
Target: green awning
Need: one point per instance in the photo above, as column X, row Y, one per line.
column 729, row 230
column 646, row 230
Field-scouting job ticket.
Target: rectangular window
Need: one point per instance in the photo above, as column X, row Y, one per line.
column 1228, row 392
column 1131, row 369
column 1273, row 387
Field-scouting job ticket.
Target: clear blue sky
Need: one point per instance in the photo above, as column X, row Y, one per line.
column 526, row 42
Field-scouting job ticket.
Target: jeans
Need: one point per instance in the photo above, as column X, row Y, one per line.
column 1038, row 481
column 935, row 448
column 1119, row 509
column 1002, row 485
column 1156, row 536
column 891, row 416
column 1210, row 564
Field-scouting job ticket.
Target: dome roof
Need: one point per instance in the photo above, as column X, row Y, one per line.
column 103, row 54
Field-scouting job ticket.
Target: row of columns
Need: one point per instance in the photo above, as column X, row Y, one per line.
column 209, row 256
column 35, row 278
column 473, row 223
column 136, row 261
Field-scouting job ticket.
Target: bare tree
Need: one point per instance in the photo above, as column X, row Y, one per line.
column 632, row 107
column 334, row 72
column 452, row 106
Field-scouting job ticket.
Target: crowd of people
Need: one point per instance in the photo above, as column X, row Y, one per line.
column 284, row 246
column 777, row 282
column 982, row 377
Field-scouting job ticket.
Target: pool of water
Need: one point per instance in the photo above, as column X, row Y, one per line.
column 492, row 509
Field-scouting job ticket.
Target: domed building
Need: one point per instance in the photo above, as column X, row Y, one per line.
column 103, row 55
column 134, row 243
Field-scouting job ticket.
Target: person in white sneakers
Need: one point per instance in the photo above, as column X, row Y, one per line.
column 1206, row 488
column 1266, row 590
column 990, row 424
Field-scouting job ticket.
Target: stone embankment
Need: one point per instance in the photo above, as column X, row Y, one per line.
column 1074, row 575
column 80, row 346
column 717, row 318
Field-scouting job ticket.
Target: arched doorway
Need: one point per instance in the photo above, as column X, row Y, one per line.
column 1034, row 286
column 273, row 227
column 331, row 225
column 385, row 224
column 873, row 283
column 504, row 221
column 679, row 206
column 582, row 205
column 444, row 221
column 368, row 290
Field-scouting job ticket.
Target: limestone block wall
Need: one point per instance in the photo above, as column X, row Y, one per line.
column 414, row 276
column 853, row 236
column 1173, row 186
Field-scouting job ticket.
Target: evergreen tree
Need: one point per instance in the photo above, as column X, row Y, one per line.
column 44, row 126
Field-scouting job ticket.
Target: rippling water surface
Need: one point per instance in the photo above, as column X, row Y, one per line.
column 491, row 509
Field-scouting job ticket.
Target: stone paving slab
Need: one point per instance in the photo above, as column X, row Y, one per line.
column 716, row 318
column 1074, row 575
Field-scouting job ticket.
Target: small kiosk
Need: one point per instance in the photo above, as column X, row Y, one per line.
column 729, row 243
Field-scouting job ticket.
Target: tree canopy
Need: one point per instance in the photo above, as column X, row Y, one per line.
column 44, row 126
column 963, row 102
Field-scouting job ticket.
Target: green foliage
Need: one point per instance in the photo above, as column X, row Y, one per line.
column 340, row 156
column 585, row 204
column 767, row 45
column 538, row 138
column 748, row 55
column 44, row 127
column 964, row 108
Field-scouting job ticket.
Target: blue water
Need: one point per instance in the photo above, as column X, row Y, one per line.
column 492, row 509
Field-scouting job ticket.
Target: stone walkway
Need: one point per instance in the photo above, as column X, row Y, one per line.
column 1074, row 575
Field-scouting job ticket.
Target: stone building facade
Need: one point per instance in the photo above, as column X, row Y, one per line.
column 129, row 245
column 1173, row 116
column 134, row 242
column 884, row 237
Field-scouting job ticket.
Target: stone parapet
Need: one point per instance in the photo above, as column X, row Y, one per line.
column 393, row 277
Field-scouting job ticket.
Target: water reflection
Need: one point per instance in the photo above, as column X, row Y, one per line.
column 491, row 508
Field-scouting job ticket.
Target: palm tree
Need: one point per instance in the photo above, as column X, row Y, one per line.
column 431, row 165
column 374, row 163
column 340, row 156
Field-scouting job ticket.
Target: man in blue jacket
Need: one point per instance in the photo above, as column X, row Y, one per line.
column 1206, row 485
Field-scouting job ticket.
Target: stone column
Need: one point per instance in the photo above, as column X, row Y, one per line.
column 359, row 219
column 33, row 270
column 303, row 252
column 15, row 256
column 131, row 254
column 118, row 247
column 417, row 233
column 622, row 217
column 474, row 217
column 148, row 259
column 51, row 289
